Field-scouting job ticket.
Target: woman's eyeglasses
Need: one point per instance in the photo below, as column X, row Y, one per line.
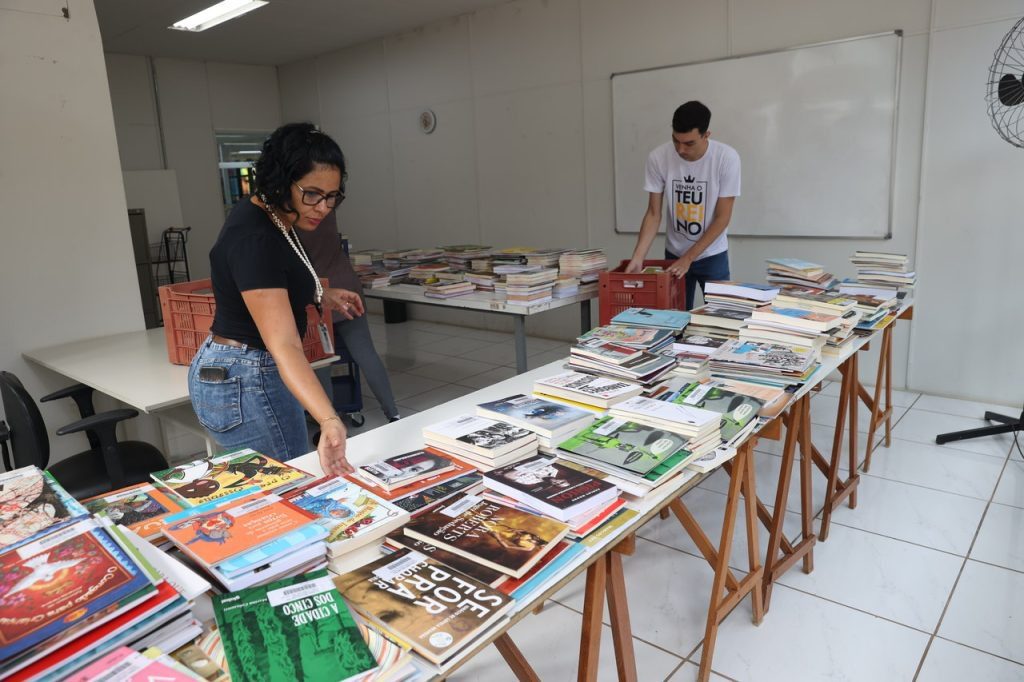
column 312, row 197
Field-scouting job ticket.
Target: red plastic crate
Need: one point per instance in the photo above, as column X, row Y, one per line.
column 188, row 313
column 658, row 290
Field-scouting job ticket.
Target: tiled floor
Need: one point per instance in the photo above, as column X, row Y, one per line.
column 923, row 580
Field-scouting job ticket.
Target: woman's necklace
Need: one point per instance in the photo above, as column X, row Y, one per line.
column 293, row 240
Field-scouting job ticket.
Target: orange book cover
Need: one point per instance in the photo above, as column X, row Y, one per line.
column 217, row 531
column 460, row 468
column 140, row 508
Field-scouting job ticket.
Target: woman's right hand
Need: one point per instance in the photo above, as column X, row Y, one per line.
column 331, row 447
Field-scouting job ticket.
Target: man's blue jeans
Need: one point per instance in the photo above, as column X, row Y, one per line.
column 710, row 269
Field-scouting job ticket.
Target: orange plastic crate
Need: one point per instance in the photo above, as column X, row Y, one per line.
column 188, row 310
column 619, row 291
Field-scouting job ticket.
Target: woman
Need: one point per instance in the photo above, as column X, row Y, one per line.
column 250, row 381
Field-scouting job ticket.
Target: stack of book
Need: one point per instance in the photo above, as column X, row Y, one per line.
column 585, row 390
column 426, row 272
column 699, row 426
column 565, row 286
column 769, row 363
column 486, row 443
column 594, row 356
column 448, row 289
column 737, row 412
column 717, row 321
column 424, row 493
column 793, row 271
column 739, row 295
column 691, row 353
column 673, row 321
column 840, row 308
column 544, row 258
column 414, row 257
column 542, row 485
column 248, row 538
column 76, row 587
column 585, row 264
column 798, row 327
column 366, row 257
column 375, row 277
column 482, row 264
column 352, row 516
column 647, row 339
column 885, row 269
column 513, row 257
column 459, row 256
column 138, row 507
column 484, row 281
column 553, row 422
column 530, row 288
column 634, row 457
column 297, row 628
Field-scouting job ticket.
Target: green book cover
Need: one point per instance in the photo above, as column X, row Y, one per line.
column 736, row 409
column 634, row 447
column 292, row 629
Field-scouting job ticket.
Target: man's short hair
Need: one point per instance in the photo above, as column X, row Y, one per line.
column 691, row 115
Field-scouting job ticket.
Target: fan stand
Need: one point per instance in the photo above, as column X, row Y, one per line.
column 1006, row 425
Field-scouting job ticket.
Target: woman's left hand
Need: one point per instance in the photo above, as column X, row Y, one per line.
column 331, row 448
column 348, row 303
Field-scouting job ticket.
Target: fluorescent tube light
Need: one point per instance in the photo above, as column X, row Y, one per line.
column 217, row 14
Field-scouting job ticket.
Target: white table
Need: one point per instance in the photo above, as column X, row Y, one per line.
column 486, row 301
column 132, row 368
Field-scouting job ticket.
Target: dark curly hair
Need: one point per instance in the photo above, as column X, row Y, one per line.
column 291, row 151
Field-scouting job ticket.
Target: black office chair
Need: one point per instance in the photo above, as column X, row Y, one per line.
column 107, row 465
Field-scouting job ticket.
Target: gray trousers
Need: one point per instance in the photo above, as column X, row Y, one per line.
column 355, row 334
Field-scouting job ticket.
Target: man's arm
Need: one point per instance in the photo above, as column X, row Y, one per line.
column 723, row 214
column 648, row 231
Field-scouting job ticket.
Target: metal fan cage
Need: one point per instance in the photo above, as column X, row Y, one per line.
column 1005, row 94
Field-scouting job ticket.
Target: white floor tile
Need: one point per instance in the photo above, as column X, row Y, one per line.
column 688, row 673
column 402, row 336
column 404, row 359
column 951, row 662
column 491, row 376
column 540, row 359
column 824, row 411
column 668, row 595
column 899, row 398
column 985, row 612
column 373, row 417
column 484, row 334
column 937, row 466
column 1000, row 540
column 806, row 638
column 499, row 353
column 768, row 468
column 405, row 385
column 456, row 346
column 931, row 518
column 922, row 426
column 1011, row 485
column 550, row 642
column 451, row 369
column 435, row 327
column 432, row 398
column 541, row 344
column 885, row 577
column 962, row 408
column 822, row 436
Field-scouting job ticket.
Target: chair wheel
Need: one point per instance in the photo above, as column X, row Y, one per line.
column 357, row 418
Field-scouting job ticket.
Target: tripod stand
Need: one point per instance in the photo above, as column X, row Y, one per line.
column 1006, row 425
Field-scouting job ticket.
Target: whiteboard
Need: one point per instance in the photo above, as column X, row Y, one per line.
column 815, row 128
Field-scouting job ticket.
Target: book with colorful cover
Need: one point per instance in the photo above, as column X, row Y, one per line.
column 138, row 507
column 352, row 515
column 434, row 608
column 60, row 580
column 203, row 480
column 488, row 438
column 545, row 570
column 503, row 538
column 605, row 351
column 459, row 469
column 637, row 337
column 543, row 417
column 397, row 539
column 736, row 410
column 651, row 317
column 586, row 388
column 421, row 500
column 127, row 665
column 399, row 470
column 32, row 504
column 292, row 629
column 217, row 531
column 636, row 448
column 549, row 487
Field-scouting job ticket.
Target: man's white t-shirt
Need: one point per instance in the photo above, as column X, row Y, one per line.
column 691, row 192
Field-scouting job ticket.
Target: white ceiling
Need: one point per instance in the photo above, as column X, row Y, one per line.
column 278, row 33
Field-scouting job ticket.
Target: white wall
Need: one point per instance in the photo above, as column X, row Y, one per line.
column 66, row 265
column 523, row 148
column 187, row 102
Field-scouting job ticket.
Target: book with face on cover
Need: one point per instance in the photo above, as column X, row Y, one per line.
column 399, row 470
column 292, row 629
column 204, row 480
column 544, row 484
column 543, row 417
column 32, row 504
column 424, row 499
column 397, row 540
column 500, row 537
column 138, row 507
column 434, row 608
column 486, row 438
column 459, row 469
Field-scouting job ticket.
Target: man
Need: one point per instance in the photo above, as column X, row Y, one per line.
column 702, row 179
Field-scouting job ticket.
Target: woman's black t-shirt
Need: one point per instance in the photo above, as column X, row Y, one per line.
column 251, row 253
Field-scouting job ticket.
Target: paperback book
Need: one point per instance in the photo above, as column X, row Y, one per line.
column 139, row 507
column 32, row 504
column 626, row 445
column 424, row 499
column 735, row 410
column 587, row 389
column 458, row 470
column 550, row 488
column 399, row 470
column 543, row 417
column 204, row 480
column 397, row 540
column 351, row 515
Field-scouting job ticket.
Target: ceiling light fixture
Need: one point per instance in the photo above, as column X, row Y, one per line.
column 217, row 14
